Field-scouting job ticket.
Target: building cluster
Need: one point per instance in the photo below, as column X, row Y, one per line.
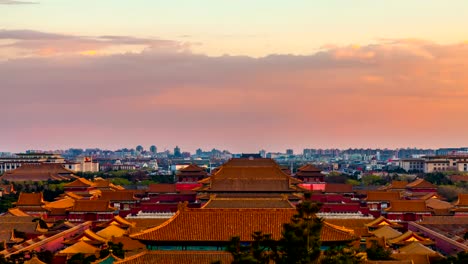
column 192, row 220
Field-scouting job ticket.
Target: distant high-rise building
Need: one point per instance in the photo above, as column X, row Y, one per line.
column 153, row 149
column 262, row 153
column 289, row 152
column 199, row 152
column 177, row 152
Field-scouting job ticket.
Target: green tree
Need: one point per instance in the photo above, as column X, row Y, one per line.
column 300, row 242
column 116, row 249
column 261, row 251
column 80, row 258
column 341, row 255
column 377, row 252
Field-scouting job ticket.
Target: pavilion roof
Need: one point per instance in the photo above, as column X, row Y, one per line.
column 382, row 221
column 128, row 243
column 193, row 168
column 34, row 260
column 80, row 182
column 382, row 196
column 421, row 183
column 30, row 199
column 119, row 221
column 309, row 170
column 417, row 248
column 88, row 236
column 64, row 203
column 408, row 206
column 397, row 185
column 254, row 175
column 358, row 225
column 438, row 204
column 409, row 237
column 248, row 202
column 387, row 232
column 111, row 231
column 80, row 247
column 91, row 206
column 178, row 257
column 222, row 224
column 39, row 172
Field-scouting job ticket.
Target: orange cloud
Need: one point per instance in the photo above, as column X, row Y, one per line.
column 392, row 94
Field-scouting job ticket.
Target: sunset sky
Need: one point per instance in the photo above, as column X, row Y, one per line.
column 238, row 75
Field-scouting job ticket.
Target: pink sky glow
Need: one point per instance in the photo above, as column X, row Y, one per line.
column 62, row 91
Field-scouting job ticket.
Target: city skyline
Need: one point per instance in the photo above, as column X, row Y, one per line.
column 241, row 76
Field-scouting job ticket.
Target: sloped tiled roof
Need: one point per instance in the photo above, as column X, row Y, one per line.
column 381, row 221
column 91, row 206
column 119, row 221
column 178, row 257
column 162, row 188
column 128, row 243
column 64, row 203
column 462, row 200
column 80, row 182
column 338, row 188
column 397, row 185
column 124, row 195
column 39, row 172
column 421, row 183
column 111, row 231
column 248, row 203
column 358, row 225
column 417, row 248
column 309, row 170
column 387, row 232
column 222, row 224
column 80, row 247
column 438, row 204
column 30, row 199
column 413, row 258
column 34, row 260
column 256, row 175
column 408, row 206
column 16, row 212
column 375, row 196
column 409, row 237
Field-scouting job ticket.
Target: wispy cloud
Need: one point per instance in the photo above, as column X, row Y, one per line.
column 15, row 2
column 27, row 43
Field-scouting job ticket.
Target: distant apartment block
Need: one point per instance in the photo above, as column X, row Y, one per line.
column 83, row 164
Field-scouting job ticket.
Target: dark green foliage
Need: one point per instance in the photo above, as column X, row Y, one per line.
column 81, row 259
column 117, row 250
column 437, row 178
column 45, row 256
column 341, row 255
column 300, row 242
column 42, row 223
column 6, row 202
column 377, row 252
column 261, row 251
